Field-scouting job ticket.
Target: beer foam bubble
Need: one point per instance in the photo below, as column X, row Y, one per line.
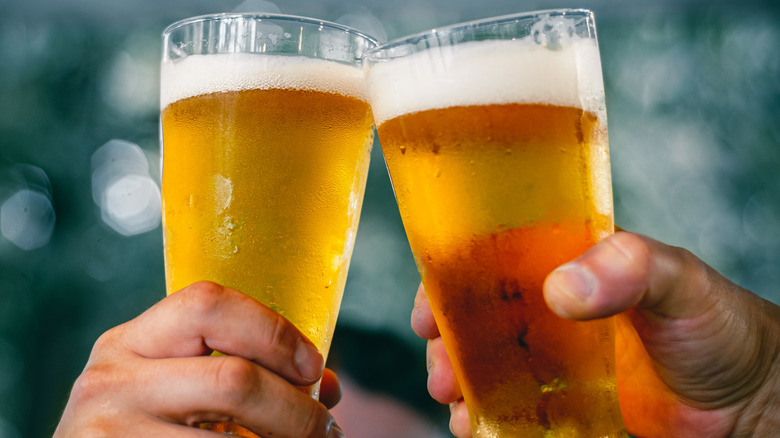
column 204, row 74
column 488, row 72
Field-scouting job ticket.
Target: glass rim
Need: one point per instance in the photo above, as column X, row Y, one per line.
column 268, row 16
column 477, row 23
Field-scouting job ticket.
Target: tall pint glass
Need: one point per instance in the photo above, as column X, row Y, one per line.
column 495, row 137
column 267, row 134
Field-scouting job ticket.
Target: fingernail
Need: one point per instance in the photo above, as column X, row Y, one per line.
column 429, row 366
column 308, row 360
column 451, row 424
column 335, row 431
column 574, row 280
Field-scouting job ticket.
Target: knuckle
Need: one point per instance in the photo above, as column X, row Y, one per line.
column 314, row 422
column 237, row 380
column 94, row 382
column 106, row 341
column 203, row 297
column 634, row 252
column 631, row 245
column 277, row 331
column 98, row 428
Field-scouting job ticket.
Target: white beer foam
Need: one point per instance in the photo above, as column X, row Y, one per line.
column 488, row 72
column 203, row 74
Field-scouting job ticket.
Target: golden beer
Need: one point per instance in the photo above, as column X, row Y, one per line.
column 267, row 136
column 498, row 185
column 269, row 206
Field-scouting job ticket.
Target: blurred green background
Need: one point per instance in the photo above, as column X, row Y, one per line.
column 693, row 97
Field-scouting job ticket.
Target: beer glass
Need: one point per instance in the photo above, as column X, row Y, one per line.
column 267, row 134
column 495, row 137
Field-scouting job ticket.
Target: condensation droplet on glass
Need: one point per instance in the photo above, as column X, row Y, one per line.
column 232, row 224
column 222, row 188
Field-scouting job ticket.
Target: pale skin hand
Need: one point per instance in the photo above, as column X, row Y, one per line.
column 153, row 376
column 712, row 361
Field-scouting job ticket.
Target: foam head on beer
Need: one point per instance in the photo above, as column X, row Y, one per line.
column 552, row 65
column 197, row 75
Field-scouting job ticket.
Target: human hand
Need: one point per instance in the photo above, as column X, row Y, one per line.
column 696, row 355
column 154, row 376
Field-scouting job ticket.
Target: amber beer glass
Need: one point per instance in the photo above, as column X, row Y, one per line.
column 495, row 137
column 266, row 135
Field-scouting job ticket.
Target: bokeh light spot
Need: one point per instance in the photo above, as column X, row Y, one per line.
column 132, row 205
column 128, row 197
column 27, row 219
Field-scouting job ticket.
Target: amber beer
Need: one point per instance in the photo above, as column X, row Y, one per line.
column 498, row 155
column 265, row 161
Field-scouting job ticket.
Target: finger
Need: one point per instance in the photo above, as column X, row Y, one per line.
column 626, row 270
column 120, row 424
column 460, row 425
column 622, row 271
column 152, row 428
column 442, row 384
column 228, row 388
column 686, row 314
column 99, row 405
column 205, row 316
column 585, row 288
column 422, row 318
column 330, row 389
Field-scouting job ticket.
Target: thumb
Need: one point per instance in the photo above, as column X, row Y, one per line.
column 627, row 270
column 711, row 341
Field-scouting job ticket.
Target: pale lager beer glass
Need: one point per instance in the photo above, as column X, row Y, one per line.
column 267, row 134
column 495, row 137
